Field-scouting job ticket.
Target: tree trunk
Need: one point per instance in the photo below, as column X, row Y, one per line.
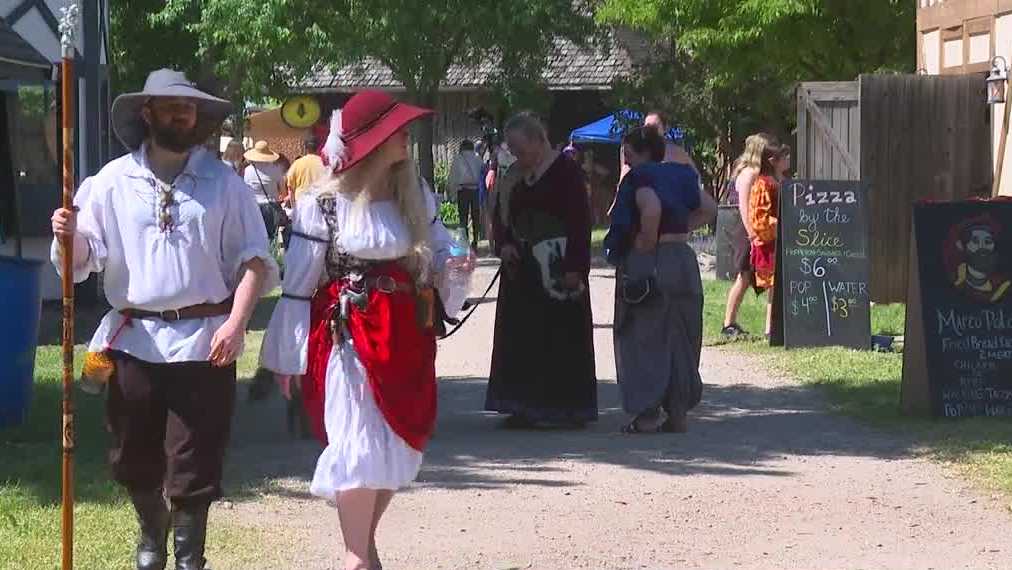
column 425, row 133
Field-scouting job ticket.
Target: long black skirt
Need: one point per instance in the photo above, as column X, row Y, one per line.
column 543, row 353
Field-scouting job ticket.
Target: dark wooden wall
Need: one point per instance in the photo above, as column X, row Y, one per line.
column 923, row 138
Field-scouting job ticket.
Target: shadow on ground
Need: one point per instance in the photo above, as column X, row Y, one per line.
column 738, row 431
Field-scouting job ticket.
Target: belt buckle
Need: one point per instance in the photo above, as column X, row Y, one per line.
column 386, row 284
column 170, row 316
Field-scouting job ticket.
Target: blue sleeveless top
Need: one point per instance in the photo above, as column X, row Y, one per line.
column 677, row 188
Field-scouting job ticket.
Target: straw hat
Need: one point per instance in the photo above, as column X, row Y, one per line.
column 367, row 121
column 130, row 127
column 261, row 152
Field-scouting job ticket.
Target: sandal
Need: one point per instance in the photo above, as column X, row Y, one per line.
column 674, row 425
column 634, row 428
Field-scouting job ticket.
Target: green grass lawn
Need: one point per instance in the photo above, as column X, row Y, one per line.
column 866, row 385
column 30, row 459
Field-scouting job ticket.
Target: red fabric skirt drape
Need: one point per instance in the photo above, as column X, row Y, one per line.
column 398, row 355
column 764, row 264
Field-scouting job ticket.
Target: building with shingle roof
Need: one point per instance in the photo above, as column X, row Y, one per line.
column 577, row 78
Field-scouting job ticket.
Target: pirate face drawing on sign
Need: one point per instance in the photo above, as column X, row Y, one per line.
column 974, row 259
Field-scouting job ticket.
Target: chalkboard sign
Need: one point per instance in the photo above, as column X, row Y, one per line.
column 957, row 358
column 823, row 264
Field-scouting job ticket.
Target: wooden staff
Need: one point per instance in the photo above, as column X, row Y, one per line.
column 996, row 187
column 68, row 26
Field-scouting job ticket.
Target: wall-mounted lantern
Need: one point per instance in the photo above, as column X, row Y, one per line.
column 997, row 80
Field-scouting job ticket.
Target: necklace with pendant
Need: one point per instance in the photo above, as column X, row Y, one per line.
column 165, row 197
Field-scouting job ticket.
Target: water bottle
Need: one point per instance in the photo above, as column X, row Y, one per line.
column 456, row 276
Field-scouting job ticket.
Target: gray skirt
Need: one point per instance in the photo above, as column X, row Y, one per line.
column 658, row 342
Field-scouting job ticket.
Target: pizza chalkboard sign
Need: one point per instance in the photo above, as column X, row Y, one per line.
column 957, row 358
column 823, row 264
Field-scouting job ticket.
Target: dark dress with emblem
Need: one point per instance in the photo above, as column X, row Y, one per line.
column 543, row 349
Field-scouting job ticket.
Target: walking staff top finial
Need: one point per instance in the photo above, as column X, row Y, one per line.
column 69, row 15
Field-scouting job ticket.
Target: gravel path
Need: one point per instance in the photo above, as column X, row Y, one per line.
column 766, row 478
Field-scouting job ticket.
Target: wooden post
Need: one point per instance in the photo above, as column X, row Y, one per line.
column 996, row 186
column 68, row 82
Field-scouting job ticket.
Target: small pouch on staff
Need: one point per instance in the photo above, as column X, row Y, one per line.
column 99, row 366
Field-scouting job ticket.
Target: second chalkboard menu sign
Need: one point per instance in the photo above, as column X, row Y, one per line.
column 957, row 360
column 824, row 264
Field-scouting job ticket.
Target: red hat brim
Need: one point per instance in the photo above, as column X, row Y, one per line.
column 362, row 144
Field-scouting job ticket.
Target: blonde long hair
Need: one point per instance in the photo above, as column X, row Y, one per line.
column 752, row 156
column 408, row 194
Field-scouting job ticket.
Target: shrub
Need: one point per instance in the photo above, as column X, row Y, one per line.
column 448, row 214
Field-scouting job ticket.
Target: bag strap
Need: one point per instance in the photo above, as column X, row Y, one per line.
column 262, row 188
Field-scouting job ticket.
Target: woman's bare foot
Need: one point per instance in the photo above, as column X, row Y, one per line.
column 353, row 562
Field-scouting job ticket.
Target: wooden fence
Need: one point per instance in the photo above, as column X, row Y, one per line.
column 909, row 138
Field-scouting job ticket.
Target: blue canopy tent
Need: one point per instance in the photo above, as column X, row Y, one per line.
column 609, row 129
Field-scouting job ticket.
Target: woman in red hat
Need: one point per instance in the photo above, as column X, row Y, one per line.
column 354, row 320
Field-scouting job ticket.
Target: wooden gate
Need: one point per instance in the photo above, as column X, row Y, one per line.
column 829, row 131
column 909, row 138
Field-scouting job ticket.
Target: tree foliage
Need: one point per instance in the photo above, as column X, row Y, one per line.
column 139, row 43
column 725, row 68
column 791, row 39
column 263, row 48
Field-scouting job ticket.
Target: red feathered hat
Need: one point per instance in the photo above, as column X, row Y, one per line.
column 367, row 121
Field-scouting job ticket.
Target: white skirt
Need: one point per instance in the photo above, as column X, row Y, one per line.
column 363, row 451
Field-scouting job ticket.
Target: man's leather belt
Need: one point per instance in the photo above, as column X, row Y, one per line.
column 201, row 311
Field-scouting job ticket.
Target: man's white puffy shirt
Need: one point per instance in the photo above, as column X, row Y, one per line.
column 216, row 228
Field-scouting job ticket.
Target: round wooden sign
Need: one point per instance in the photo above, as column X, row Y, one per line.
column 300, row 112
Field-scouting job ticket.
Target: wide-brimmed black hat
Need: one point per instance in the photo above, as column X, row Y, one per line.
column 128, row 124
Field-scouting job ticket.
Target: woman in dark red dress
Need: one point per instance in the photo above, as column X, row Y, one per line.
column 543, row 352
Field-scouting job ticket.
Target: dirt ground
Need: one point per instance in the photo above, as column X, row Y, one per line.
column 766, row 478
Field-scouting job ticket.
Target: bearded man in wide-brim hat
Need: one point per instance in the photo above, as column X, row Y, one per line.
column 186, row 257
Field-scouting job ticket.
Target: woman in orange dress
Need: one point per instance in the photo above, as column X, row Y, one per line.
column 763, row 218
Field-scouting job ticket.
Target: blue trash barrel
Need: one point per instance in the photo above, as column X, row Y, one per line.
column 20, row 311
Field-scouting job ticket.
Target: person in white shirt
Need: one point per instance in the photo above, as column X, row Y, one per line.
column 266, row 180
column 185, row 258
column 465, row 176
